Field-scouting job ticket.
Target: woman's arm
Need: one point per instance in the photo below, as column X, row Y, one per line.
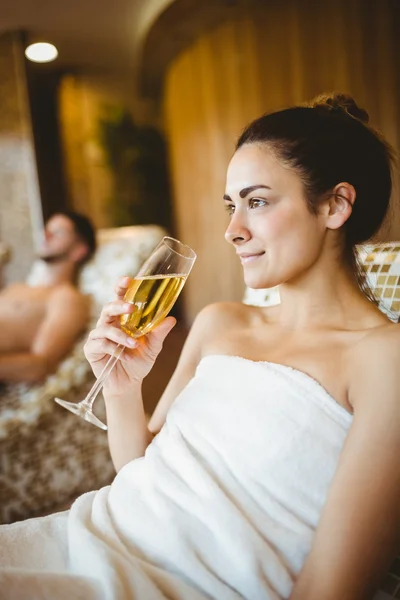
column 127, row 425
column 128, row 436
column 358, row 534
column 129, row 433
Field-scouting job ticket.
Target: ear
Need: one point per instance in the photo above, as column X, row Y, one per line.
column 78, row 252
column 340, row 205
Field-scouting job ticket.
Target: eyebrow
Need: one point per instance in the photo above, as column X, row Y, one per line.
column 247, row 190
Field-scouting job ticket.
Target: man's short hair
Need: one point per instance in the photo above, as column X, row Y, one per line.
column 84, row 230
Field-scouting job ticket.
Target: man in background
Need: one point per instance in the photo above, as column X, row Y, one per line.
column 39, row 323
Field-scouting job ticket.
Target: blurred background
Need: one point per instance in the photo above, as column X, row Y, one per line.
column 135, row 120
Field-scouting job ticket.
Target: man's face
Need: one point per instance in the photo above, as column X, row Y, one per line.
column 60, row 240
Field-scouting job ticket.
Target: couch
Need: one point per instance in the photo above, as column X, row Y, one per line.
column 48, row 455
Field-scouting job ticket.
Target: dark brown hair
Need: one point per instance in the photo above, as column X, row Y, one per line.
column 329, row 141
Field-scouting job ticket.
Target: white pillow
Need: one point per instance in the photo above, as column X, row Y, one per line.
column 120, row 252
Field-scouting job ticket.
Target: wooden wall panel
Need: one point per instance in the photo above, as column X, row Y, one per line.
column 271, row 55
column 88, row 178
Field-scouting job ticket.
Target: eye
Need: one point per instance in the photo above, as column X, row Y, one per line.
column 230, row 209
column 257, row 202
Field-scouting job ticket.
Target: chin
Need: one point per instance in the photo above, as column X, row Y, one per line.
column 259, row 282
column 257, row 276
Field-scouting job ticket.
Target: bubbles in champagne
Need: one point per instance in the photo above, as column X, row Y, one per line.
column 153, row 298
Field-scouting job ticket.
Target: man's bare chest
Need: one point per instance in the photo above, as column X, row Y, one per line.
column 22, row 310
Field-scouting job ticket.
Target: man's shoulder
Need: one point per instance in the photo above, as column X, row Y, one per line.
column 67, row 287
column 68, row 292
column 15, row 286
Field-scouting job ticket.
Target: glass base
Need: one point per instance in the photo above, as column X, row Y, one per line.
column 82, row 411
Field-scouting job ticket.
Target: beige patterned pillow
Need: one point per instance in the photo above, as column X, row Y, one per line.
column 382, row 269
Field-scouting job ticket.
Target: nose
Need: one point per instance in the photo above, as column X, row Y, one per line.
column 237, row 232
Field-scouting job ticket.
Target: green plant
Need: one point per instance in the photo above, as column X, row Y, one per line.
column 136, row 157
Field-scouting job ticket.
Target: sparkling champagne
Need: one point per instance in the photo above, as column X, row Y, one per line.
column 153, row 297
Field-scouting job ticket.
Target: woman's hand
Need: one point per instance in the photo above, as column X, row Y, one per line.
column 139, row 354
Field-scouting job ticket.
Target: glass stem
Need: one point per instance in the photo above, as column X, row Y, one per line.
column 108, row 367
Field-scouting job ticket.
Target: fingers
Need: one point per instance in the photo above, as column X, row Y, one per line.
column 165, row 326
column 122, row 285
column 105, row 338
column 159, row 333
column 114, row 309
column 99, row 348
column 110, row 333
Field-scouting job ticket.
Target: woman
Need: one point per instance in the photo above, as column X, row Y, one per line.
column 274, row 473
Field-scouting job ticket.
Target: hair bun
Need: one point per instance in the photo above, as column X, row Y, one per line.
column 343, row 103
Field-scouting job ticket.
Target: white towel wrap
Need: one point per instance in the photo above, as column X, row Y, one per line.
column 224, row 504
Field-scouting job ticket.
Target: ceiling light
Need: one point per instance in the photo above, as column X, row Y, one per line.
column 41, row 52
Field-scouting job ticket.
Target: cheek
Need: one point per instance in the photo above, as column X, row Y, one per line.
column 299, row 246
column 277, row 224
column 291, row 238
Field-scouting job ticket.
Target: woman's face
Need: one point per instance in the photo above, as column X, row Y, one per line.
column 271, row 227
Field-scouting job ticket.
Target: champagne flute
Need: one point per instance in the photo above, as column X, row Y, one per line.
column 153, row 292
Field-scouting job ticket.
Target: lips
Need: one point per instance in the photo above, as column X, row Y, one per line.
column 246, row 257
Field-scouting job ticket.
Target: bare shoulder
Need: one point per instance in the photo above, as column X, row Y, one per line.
column 375, row 373
column 212, row 323
column 380, row 343
column 221, row 314
column 68, row 294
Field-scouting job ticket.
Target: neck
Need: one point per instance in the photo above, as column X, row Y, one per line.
column 51, row 274
column 324, row 298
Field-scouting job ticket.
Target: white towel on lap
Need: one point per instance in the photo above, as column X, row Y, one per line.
column 224, row 504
